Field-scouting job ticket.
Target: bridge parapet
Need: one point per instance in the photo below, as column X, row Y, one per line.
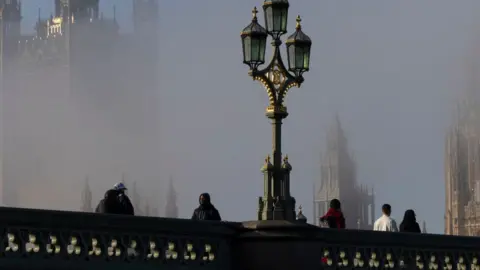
column 40, row 239
column 284, row 245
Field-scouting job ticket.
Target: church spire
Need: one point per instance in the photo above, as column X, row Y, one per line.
column 336, row 136
column 424, row 227
column 147, row 209
column 171, row 209
column 80, row 9
column 87, row 197
column 135, row 196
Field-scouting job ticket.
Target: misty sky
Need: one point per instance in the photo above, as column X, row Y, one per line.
column 391, row 69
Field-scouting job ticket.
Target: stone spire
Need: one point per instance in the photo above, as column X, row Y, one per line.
column 171, row 209
column 336, row 136
column 147, row 209
column 424, row 227
column 87, row 197
column 135, row 197
column 81, row 9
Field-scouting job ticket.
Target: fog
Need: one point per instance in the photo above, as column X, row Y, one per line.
column 392, row 70
column 92, row 111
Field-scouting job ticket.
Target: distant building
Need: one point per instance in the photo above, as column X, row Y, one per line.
column 77, row 77
column 424, row 227
column 135, row 199
column 171, row 208
column 462, row 171
column 87, row 197
column 339, row 181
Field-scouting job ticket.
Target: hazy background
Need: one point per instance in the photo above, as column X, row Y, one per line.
column 391, row 69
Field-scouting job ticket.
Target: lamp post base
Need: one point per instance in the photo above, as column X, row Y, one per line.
column 276, row 209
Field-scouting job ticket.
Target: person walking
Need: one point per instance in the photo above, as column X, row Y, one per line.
column 116, row 201
column 334, row 216
column 206, row 210
column 409, row 222
column 124, row 200
column 385, row 223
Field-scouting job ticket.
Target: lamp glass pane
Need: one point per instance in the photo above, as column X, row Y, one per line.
column 263, row 45
column 306, row 58
column 269, row 18
column 255, row 49
column 291, row 57
column 277, row 20
column 284, row 13
column 247, row 45
column 299, row 57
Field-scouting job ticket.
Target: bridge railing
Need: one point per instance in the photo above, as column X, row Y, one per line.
column 40, row 239
column 283, row 245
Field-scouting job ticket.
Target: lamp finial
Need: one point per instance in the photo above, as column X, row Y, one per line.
column 254, row 13
column 299, row 20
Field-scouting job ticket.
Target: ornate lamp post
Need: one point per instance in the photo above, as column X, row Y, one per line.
column 276, row 202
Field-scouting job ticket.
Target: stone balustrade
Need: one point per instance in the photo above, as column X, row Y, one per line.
column 40, row 239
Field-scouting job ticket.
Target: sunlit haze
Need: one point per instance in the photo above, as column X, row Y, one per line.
column 391, row 70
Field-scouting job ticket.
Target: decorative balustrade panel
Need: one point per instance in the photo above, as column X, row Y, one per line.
column 51, row 240
column 397, row 258
column 277, row 245
column 37, row 239
column 381, row 250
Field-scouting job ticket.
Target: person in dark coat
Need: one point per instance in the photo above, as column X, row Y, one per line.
column 206, row 210
column 409, row 222
column 116, row 201
column 125, row 202
column 109, row 204
column 334, row 216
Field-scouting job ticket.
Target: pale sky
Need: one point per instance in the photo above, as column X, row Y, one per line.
column 389, row 68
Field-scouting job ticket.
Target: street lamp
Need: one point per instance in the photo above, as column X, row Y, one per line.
column 276, row 202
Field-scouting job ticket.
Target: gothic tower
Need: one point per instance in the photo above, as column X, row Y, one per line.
column 171, row 209
column 10, row 19
column 462, row 160
column 338, row 181
column 78, row 62
column 424, row 227
column 145, row 23
column 462, row 171
column 79, row 9
column 146, row 36
column 135, row 198
column 87, row 197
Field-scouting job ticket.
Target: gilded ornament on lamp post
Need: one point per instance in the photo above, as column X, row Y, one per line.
column 277, row 79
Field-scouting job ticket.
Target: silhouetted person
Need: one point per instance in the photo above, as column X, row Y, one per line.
column 385, row 222
column 206, row 210
column 125, row 202
column 409, row 222
column 109, row 204
column 334, row 216
column 116, row 202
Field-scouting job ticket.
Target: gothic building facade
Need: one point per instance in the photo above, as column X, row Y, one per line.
column 79, row 95
column 462, row 171
column 339, row 181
